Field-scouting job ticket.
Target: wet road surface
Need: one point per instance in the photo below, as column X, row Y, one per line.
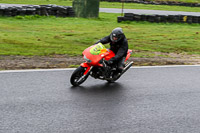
column 144, row 100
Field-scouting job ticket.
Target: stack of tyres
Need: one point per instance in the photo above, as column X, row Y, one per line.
column 151, row 18
column 43, row 10
column 189, row 19
column 120, row 19
column 70, row 12
column 143, row 17
column 195, row 19
column 129, row 17
column 160, row 18
column 8, row 12
column 137, row 17
column 170, row 19
column 30, row 11
column 21, row 12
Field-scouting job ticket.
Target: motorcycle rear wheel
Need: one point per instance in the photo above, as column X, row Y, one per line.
column 78, row 76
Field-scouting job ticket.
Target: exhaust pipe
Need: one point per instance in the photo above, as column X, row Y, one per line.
column 127, row 67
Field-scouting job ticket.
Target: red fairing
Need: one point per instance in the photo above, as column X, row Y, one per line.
column 96, row 58
column 110, row 55
column 93, row 59
column 128, row 54
column 86, row 65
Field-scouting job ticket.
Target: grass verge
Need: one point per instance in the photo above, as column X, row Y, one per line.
column 36, row 35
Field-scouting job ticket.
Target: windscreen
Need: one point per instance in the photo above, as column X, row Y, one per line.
column 98, row 49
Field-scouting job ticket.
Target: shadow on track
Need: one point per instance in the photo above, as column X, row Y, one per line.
column 112, row 89
column 110, row 93
column 99, row 87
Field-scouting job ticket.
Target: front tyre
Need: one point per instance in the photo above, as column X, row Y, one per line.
column 78, row 76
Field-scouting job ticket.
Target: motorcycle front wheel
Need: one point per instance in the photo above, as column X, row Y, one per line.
column 78, row 76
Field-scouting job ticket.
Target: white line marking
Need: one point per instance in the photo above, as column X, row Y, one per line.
column 36, row 70
column 165, row 66
column 66, row 69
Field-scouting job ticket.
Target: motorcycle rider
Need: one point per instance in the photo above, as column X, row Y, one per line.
column 119, row 45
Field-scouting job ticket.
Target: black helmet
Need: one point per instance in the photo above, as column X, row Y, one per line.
column 116, row 35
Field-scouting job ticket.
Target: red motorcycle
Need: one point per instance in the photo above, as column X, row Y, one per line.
column 96, row 66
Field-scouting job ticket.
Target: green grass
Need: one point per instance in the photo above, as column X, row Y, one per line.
column 111, row 4
column 36, row 35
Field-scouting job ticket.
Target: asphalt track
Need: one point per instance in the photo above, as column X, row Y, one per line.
column 144, row 100
column 136, row 11
column 142, row 11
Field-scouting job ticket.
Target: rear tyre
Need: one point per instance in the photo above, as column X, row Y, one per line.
column 78, row 76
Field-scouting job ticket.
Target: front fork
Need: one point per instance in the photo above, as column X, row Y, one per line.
column 88, row 68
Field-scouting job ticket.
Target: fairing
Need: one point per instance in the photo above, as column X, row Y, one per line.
column 97, row 52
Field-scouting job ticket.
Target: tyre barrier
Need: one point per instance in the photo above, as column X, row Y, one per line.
column 171, row 3
column 43, row 10
column 159, row 18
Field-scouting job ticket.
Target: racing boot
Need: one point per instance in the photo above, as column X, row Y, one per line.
column 121, row 65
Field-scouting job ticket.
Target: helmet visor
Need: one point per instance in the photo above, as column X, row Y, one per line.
column 114, row 38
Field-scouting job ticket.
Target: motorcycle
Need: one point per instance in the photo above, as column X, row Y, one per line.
column 95, row 65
